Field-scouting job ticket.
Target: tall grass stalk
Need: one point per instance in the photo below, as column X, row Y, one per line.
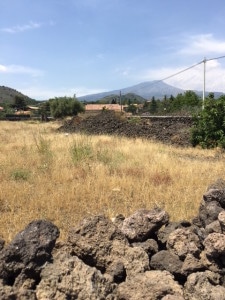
column 81, row 149
column 86, row 175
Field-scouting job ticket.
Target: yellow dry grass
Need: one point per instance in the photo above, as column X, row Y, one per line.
column 63, row 178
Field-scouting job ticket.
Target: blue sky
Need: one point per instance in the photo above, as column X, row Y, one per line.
column 52, row 48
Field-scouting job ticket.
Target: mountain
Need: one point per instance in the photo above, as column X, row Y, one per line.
column 146, row 90
column 7, row 95
column 133, row 98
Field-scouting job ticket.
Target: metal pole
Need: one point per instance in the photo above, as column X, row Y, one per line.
column 120, row 102
column 203, row 95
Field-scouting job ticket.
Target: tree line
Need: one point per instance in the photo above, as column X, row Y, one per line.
column 187, row 103
column 59, row 107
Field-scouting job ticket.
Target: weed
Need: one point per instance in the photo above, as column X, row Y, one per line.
column 81, row 149
column 43, row 145
column 20, row 174
column 134, row 120
column 44, row 149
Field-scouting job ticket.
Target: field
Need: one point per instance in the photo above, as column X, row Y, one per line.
column 46, row 174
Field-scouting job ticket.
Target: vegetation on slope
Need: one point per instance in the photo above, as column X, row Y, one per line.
column 7, row 96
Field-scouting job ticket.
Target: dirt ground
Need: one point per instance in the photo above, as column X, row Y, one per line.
column 169, row 130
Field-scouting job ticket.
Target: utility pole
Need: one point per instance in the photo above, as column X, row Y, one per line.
column 203, row 93
column 120, row 102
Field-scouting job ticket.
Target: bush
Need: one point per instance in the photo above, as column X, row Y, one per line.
column 20, row 174
column 65, row 106
column 209, row 126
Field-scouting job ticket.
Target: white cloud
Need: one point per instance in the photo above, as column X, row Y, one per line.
column 17, row 69
column 3, row 68
column 40, row 93
column 194, row 78
column 83, row 91
column 203, row 44
column 21, row 28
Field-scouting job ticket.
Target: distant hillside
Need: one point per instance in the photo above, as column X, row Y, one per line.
column 7, row 95
column 146, row 90
column 133, row 98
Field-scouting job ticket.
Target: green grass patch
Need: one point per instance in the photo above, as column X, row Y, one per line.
column 20, row 174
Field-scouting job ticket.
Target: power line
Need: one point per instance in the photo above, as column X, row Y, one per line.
column 219, row 57
column 184, row 70
column 177, row 73
column 199, row 63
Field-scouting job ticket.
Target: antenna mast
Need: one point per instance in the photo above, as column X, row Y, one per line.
column 203, row 93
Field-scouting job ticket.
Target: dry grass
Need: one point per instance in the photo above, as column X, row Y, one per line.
column 64, row 178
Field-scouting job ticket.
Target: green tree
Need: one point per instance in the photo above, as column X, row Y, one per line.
column 146, row 104
column 132, row 109
column 44, row 110
column 153, row 106
column 171, row 98
column 19, row 103
column 183, row 103
column 65, row 106
column 165, row 105
column 209, row 126
column 191, row 99
column 211, row 95
column 177, row 103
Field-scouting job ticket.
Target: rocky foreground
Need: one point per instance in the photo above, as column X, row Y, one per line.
column 143, row 256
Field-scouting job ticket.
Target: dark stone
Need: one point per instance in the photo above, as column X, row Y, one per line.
column 31, row 248
column 209, row 211
column 150, row 246
column 219, row 184
column 215, row 195
column 117, row 271
column 166, row 260
column 2, row 244
column 213, row 227
column 165, row 231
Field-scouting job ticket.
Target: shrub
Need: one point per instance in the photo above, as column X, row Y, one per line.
column 65, row 106
column 209, row 126
column 20, row 174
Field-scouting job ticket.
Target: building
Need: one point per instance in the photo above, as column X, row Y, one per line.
column 100, row 107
